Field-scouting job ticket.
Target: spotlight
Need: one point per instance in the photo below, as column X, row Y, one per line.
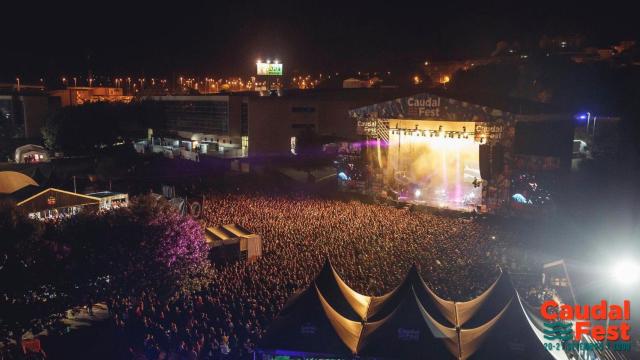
column 417, row 193
column 626, row 272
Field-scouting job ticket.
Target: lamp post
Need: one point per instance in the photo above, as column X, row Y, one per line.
column 588, row 120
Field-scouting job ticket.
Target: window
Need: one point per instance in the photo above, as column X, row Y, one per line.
column 244, row 118
column 245, row 146
column 197, row 116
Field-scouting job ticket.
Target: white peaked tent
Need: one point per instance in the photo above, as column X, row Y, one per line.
column 407, row 332
column 340, row 296
column 410, row 322
column 308, row 326
column 31, row 153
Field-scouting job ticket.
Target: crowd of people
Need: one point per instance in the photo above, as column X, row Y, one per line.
column 371, row 246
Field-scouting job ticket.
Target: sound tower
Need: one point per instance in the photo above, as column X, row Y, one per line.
column 485, row 161
column 497, row 159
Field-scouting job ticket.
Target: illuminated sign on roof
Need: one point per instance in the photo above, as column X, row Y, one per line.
column 268, row 68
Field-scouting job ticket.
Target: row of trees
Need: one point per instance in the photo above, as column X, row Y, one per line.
column 46, row 268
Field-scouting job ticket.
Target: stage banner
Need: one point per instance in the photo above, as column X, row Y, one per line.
column 489, row 132
column 367, row 127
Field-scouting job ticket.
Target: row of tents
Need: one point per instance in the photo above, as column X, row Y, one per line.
column 330, row 320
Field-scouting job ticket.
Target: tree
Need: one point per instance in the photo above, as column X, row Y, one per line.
column 87, row 128
column 46, row 269
column 146, row 246
column 168, row 251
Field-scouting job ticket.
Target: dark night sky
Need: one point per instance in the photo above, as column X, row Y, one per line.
column 226, row 37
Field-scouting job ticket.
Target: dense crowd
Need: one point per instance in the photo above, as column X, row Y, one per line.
column 371, row 246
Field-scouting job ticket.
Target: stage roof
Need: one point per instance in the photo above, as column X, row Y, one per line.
column 427, row 106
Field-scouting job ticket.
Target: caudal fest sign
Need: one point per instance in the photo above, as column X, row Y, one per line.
column 424, row 107
column 567, row 322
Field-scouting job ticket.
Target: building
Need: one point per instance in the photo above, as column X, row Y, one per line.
column 43, row 203
column 214, row 125
column 24, row 113
column 111, row 200
column 353, row 83
column 276, row 124
column 440, row 151
column 78, row 95
column 254, row 124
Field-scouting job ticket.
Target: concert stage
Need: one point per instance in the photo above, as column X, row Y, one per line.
column 429, row 150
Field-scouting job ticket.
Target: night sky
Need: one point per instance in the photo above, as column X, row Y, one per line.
column 224, row 38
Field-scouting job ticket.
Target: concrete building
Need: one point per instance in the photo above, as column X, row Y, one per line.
column 276, row 123
column 256, row 124
column 214, row 125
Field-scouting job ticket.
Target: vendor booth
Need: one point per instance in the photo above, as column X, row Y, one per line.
column 233, row 242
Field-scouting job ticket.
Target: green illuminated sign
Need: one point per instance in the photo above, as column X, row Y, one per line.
column 269, row 69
